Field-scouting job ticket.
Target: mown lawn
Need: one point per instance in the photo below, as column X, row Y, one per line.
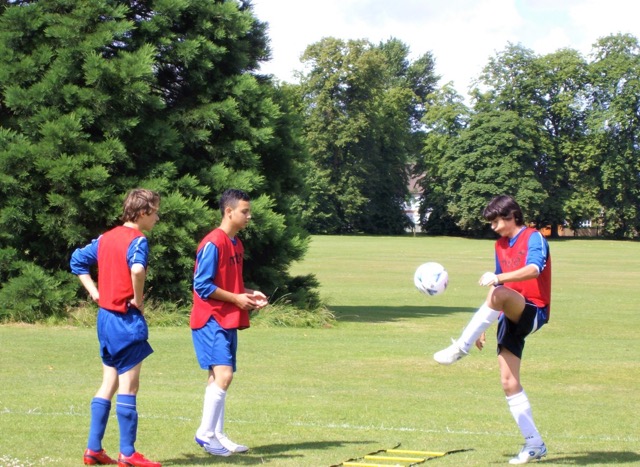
column 317, row 397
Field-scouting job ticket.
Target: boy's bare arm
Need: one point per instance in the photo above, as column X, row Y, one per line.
column 89, row 286
column 138, row 276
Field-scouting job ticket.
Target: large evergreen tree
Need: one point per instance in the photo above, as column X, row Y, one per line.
column 99, row 97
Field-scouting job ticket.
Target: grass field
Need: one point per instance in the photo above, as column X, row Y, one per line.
column 317, row 397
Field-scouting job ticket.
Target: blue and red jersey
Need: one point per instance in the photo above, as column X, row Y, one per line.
column 115, row 252
column 219, row 262
column 528, row 247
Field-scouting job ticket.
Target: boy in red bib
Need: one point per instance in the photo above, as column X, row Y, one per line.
column 121, row 256
column 221, row 305
column 519, row 298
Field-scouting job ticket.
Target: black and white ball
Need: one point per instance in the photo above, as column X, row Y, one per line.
column 431, row 278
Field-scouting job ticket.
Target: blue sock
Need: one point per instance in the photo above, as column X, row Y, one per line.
column 128, row 421
column 99, row 417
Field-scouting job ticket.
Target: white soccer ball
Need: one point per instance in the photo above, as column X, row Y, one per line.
column 431, row 278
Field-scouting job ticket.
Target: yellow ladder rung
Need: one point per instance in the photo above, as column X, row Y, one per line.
column 359, row 464
column 417, row 453
column 396, row 459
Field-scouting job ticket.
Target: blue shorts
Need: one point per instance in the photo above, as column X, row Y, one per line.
column 215, row 345
column 123, row 339
column 511, row 335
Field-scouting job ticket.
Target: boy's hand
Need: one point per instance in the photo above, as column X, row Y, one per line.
column 139, row 305
column 488, row 278
column 246, row 301
column 481, row 341
column 260, row 299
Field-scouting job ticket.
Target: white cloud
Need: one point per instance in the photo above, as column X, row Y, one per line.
column 551, row 41
column 461, row 34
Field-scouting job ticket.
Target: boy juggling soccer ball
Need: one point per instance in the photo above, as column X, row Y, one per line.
column 121, row 255
column 519, row 299
column 221, row 306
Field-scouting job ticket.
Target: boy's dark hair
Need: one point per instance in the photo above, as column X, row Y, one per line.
column 504, row 206
column 230, row 198
column 137, row 202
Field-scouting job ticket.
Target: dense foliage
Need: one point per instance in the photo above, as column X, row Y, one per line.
column 557, row 132
column 99, row 97
column 103, row 96
column 363, row 104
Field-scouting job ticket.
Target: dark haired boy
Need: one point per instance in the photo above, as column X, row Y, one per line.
column 519, row 298
column 221, row 305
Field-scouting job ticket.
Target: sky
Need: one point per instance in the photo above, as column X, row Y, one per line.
column 461, row 34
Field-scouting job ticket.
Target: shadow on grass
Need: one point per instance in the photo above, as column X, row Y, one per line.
column 379, row 314
column 260, row 454
column 591, row 458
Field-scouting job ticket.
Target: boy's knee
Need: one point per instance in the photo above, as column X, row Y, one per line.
column 223, row 375
column 511, row 386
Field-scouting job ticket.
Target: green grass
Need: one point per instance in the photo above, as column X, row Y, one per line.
column 317, row 397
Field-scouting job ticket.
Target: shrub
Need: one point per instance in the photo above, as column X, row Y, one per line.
column 36, row 295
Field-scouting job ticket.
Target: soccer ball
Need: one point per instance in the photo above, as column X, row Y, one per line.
column 431, row 278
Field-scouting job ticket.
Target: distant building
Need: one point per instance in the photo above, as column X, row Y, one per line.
column 412, row 207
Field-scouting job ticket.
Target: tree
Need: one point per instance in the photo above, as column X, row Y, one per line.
column 362, row 105
column 547, row 91
column 614, row 129
column 564, row 101
column 446, row 117
column 99, row 97
column 495, row 154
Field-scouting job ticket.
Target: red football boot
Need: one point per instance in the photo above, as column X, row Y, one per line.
column 97, row 458
column 136, row 460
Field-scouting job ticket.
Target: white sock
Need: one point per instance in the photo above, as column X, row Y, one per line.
column 480, row 322
column 521, row 411
column 219, row 422
column 214, row 398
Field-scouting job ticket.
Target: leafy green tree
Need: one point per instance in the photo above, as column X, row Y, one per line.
column 99, row 97
column 495, row 154
column 614, row 128
column 563, row 98
column 362, row 105
column 562, row 78
column 547, row 91
column 445, row 118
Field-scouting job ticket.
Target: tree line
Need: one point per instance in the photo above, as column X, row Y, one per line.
column 557, row 131
column 100, row 97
